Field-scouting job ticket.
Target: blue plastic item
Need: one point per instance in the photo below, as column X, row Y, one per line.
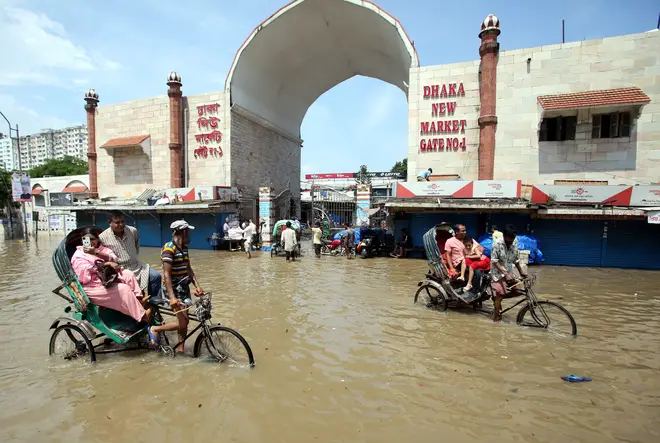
column 574, row 378
column 525, row 242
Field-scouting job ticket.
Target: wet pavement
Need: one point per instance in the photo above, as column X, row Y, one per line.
column 342, row 355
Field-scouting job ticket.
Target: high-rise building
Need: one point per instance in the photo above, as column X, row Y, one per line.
column 47, row 144
column 8, row 154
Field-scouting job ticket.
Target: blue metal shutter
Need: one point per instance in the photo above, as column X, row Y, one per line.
column 632, row 244
column 570, row 242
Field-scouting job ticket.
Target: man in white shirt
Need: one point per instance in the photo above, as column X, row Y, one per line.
column 248, row 235
column 289, row 241
column 225, row 228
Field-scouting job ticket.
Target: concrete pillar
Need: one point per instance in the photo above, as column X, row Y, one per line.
column 91, row 103
column 488, row 51
column 363, row 203
column 266, row 214
column 176, row 151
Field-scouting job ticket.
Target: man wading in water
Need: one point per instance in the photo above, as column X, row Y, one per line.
column 349, row 240
column 178, row 275
column 503, row 257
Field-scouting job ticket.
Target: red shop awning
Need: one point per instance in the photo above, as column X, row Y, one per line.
column 37, row 191
column 589, row 99
column 75, row 189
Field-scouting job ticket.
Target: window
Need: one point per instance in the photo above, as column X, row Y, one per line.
column 612, row 125
column 558, row 129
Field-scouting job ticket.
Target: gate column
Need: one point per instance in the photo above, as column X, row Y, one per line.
column 363, row 203
column 266, row 214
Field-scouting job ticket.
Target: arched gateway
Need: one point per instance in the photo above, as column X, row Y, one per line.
column 291, row 59
column 247, row 136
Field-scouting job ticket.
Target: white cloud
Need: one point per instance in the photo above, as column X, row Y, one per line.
column 39, row 50
column 17, row 113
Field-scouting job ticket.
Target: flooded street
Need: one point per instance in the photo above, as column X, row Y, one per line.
column 342, row 355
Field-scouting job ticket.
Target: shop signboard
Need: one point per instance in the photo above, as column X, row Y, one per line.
column 645, row 196
column 460, row 189
column 641, row 195
column 653, row 217
column 347, row 175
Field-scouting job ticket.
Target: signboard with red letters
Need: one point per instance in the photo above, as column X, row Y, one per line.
column 600, row 195
column 461, row 189
column 654, row 217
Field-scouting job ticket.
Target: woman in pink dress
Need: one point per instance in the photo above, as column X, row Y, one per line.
column 122, row 295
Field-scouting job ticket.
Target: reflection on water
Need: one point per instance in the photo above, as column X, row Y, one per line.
column 342, row 355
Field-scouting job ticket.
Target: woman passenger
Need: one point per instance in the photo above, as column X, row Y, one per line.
column 121, row 296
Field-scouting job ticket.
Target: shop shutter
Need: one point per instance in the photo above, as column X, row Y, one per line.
column 632, row 244
column 570, row 242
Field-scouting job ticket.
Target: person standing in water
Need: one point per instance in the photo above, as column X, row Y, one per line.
column 316, row 239
column 289, row 241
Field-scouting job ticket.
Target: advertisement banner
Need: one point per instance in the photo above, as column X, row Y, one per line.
column 497, row 188
column 344, row 175
column 21, row 191
column 579, row 194
column 654, row 217
column 645, row 196
column 55, row 222
column 460, row 189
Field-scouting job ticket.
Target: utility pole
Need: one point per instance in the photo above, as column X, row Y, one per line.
column 20, row 169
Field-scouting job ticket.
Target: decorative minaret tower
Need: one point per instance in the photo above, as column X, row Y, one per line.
column 488, row 51
column 176, row 152
column 91, row 103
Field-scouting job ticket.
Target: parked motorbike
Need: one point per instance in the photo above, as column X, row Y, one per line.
column 334, row 247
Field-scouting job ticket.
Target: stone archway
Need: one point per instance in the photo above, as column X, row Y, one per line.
column 288, row 61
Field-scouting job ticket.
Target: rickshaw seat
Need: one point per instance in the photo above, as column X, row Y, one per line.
column 118, row 321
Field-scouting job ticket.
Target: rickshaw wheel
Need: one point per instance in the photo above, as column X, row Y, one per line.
column 225, row 345
column 431, row 297
column 75, row 343
column 557, row 319
column 273, row 251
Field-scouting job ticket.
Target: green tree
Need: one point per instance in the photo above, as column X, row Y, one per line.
column 362, row 175
column 5, row 191
column 59, row 167
column 401, row 167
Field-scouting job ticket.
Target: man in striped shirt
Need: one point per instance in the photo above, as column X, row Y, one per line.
column 124, row 241
column 178, row 274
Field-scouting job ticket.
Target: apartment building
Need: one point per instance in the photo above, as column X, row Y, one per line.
column 8, row 155
column 46, row 144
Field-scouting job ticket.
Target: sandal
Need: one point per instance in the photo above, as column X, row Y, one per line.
column 154, row 341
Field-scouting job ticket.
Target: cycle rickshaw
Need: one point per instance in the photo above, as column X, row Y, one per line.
column 280, row 225
column 90, row 330
column 438, row 291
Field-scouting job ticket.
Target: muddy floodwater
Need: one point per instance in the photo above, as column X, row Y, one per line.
column 342, row 355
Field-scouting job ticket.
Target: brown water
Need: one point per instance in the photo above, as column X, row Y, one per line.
column 342, row 355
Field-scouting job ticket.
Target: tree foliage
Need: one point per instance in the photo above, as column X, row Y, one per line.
column 362, row 175
column 401, row 167
column 5, row 189
column 59, row 167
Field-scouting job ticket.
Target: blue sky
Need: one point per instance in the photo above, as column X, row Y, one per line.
column 52, row 51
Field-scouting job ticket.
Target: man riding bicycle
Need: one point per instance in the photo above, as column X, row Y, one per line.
column 504, row 256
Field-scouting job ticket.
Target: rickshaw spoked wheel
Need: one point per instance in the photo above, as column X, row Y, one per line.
column 431, row 297
column 69, row 342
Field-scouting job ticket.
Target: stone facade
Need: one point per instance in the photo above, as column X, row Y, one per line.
column 464, row 163
column 262, row 157
column 126, row 172
column 211, row 170
column 618, row 62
